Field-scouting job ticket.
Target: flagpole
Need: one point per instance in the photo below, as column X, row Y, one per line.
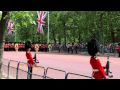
column 48, row 29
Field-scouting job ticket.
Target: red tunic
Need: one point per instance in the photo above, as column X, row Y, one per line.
column 29, row 57
column 95, row 63
column 5, row 46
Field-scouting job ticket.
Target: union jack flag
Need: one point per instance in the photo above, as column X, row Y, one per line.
column 10, row 27
column 40, row 20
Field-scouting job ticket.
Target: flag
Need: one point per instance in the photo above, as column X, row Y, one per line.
column 40, row 20
column 10, row 26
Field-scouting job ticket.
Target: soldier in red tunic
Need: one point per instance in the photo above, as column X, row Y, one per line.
column 30, row 61
column 98, row 69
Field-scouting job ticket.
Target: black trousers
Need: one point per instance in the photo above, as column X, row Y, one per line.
column 59, row 50
column 68, row 50
column 29, row 76
column 72, row 51
column 76, row 50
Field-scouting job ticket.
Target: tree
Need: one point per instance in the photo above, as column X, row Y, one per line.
column 4, row 18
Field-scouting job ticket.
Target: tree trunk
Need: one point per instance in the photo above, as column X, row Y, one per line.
column 74, row 35
column 54, row 36
column 79, row 38
column 101, row 30
column 59, row 39
column 113, row 36
column 64, row 31
column 2, row 31
column 101, row 26
column 111, row 29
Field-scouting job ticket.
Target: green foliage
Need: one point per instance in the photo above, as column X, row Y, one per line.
column 68, row 26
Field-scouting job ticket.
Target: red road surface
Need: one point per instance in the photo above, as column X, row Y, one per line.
column 70, row 63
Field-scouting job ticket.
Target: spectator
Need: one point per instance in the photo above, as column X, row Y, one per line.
column 50, row 47
column 76, row 47
column 118, row 49
column 68, row 47
column 72, row 48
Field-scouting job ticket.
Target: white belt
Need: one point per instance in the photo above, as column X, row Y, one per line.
column 95, row 70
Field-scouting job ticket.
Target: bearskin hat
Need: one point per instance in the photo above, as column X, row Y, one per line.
column 28, row 45
column 93, row 47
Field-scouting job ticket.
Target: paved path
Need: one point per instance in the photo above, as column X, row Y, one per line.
column 70, row 63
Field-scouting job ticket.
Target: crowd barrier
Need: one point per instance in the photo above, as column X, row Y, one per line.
column 12, row 69
column 19, row 70
column 52, row 73
column 76, row 76
column 38, row 72
column 4, row 70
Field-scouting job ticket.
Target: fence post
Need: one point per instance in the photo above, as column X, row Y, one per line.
column 8, row 69
column 66, row 75
column 44, row 73
column 17, row 70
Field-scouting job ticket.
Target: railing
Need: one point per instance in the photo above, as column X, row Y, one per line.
column 12, row 69
column 52, row 73
column 76, row 76
column 19, row 70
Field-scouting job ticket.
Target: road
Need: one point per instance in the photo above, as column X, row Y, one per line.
column 70, row 63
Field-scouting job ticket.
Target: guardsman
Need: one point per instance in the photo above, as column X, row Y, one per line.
column 98, row 69
column 30, row 59
column 16, row 47
column 36, row 47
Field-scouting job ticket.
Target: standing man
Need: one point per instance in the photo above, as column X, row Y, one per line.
column 76, row 47
column 59, row 47
column 68, row 47
column 72, row 48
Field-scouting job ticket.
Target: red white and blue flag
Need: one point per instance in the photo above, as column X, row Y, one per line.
column 10, row 26
column 40, row 20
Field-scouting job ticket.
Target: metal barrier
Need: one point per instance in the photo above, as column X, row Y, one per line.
column 22, row 74
column 4, row 70
column 19, row 70
column 4, row 67
column 36, row 76
column 22, row 70
column 23, row 66
column 52, row 73
column 12, row 69
column 38, row 72
column 76, row 76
